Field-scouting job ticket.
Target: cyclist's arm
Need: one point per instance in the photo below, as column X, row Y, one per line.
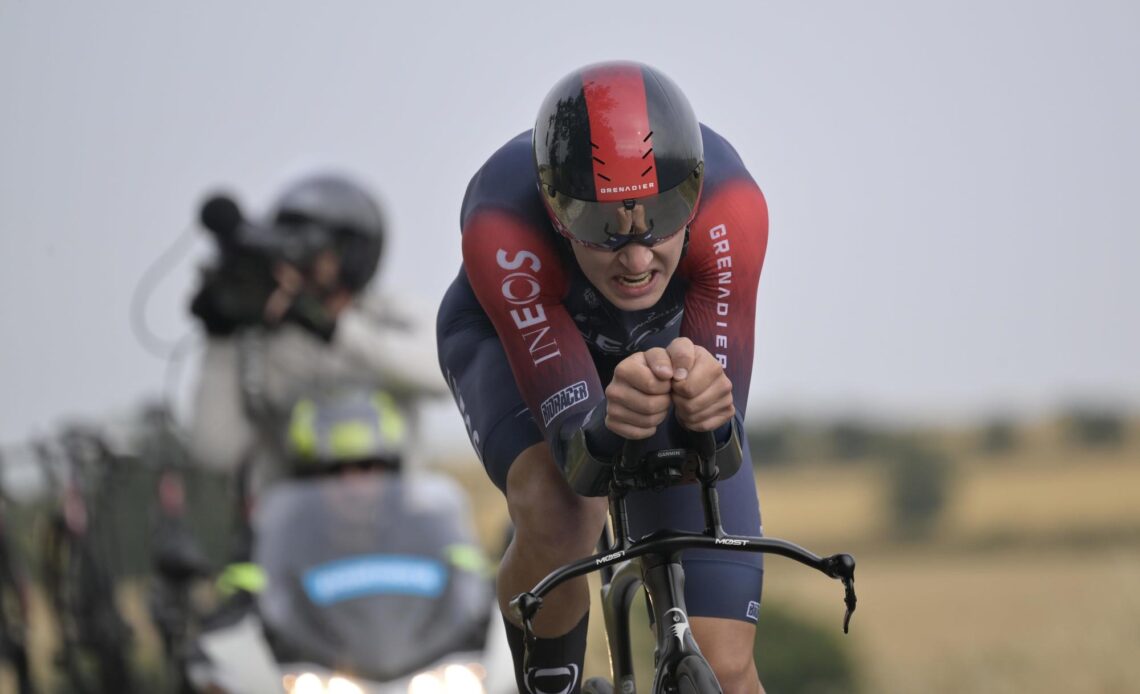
column 519, row 280
column 727, row 244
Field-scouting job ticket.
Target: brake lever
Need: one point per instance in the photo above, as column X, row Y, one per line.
column 848, row 601
column 842, row 566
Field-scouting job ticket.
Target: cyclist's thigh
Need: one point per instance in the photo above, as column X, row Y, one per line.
column 477, row 371
column 717, row 583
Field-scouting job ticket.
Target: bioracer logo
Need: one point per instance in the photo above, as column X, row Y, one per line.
column 562, row 400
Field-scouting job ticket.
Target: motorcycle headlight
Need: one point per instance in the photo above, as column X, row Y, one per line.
column 426, row 683
column 343, row 685
column 453, row 679
column 305, row 683
column 308, row 683
column 460, row 679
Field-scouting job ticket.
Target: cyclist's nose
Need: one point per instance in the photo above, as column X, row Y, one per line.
column 635, row 257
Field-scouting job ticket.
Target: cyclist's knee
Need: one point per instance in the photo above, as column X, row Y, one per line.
column 727, row 645
column 545, row 510
column 736, row 676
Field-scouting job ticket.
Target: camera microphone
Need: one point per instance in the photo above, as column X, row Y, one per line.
column 221, row 215
column 253, row 242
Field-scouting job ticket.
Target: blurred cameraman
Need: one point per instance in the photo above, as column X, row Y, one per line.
column 286, row 314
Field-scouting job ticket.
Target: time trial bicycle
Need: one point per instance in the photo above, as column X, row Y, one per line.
column 654, row 562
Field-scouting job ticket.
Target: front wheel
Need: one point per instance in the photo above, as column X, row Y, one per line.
column 694, row 676
column 597, row 685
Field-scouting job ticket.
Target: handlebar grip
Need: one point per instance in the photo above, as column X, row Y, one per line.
column 524, row 606
column 840, row 566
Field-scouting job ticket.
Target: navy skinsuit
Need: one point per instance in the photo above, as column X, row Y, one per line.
column 527, row 345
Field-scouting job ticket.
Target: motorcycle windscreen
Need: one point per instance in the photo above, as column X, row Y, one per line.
column 370, row 573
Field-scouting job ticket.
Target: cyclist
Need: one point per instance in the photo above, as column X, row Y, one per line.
column 309, row 327
column 608, row 290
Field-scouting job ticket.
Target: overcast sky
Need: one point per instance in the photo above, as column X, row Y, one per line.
column 952, row 186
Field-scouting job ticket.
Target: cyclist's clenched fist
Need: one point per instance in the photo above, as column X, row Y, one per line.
column 701, row 391
column 638, row 397
column 684, row 375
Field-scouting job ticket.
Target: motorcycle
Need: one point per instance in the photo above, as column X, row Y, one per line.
column 372, row 585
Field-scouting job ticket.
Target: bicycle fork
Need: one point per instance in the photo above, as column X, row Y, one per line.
column 663, row 579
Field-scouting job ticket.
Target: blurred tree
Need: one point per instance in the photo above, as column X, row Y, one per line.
column 998, row 435
column 797, row 656
column 852, row 439
column 1094, row 426
column 920, row 479
column 771, row 443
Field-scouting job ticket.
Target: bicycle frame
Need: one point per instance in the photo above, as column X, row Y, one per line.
column 664, row 582
column 653, row 561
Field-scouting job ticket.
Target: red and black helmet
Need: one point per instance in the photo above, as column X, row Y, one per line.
column 612, row 138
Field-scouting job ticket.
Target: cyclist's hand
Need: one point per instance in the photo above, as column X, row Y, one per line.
column 701, row 390
column 637, row 399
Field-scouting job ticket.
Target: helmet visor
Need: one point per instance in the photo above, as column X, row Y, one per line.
column 612, row 224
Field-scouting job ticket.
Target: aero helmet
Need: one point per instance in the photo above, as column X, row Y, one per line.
column 342, row 213
column 611, row 138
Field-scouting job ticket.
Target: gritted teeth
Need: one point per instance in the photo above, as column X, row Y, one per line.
column 635, row 280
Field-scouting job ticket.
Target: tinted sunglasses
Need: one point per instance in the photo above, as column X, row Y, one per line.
column 608, row 225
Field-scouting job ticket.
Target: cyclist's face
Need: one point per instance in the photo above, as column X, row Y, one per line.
column 635, row 276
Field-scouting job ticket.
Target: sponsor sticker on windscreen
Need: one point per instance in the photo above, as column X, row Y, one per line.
column 378, row 574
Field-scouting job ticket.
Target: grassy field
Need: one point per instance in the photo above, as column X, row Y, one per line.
column 1027, row 582
column 1016, row 499
column 1017, row 621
